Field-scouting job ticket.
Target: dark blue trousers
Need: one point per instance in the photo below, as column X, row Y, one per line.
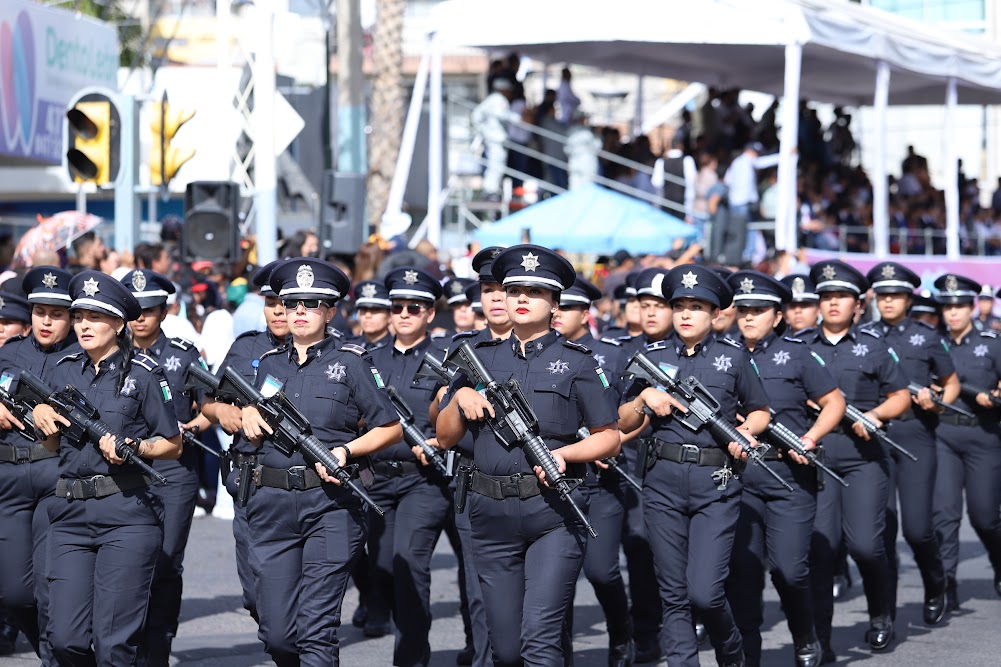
column 178, row 494
column 969, row 459
column 26, row 490
column 691, row 526
column 306, row 543
column 400, row 547
column 246, row 570
column 601, row 563
column 646, row 609
column 102, row 553
column 777, row 525
column 911, row 481
column 474, row 594
column 528, row 555
column 859, row 515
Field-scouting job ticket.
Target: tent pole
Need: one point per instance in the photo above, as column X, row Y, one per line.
column 880, row 192
column 435, row 145
column 637, row 127
column 785, row 215
column 394, row 207
column 951, row 173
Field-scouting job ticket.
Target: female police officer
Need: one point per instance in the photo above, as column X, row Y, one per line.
column 305, row 532
column 689, row 499
column 772, row 519
column 528, row 547
column 107, row 530
column 28, row 471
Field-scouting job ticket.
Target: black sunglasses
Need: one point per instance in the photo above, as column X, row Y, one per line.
column 308, row 304
column 412, row 308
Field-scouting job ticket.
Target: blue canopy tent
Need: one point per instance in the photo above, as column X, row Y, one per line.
column 591, row 220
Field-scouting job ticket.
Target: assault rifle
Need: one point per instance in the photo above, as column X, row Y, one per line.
column 853, row 414
column 21, row 410
column 915, row 388
column 783, row 435
column 412, row 435
column 971, row 392
column 584, row 432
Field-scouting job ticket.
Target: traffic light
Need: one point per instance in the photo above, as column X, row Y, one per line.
column 93, row 139
column 164, row 158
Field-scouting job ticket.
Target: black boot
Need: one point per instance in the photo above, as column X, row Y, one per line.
column 808, row 651
column 647, row 649
column 621, row 653
column 951, row 595
column 465, row 656
column 880, row 633
column 8, row 636
column 360, row 616
column 701, row 634
column 997, row 581
column 934, row 608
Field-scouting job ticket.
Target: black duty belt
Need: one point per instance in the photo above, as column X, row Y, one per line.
column 15, row 454
column 700, row 456
column 238, row 458
column 395, row 468
column 522, row 485
column 296, row 478
column 949, row 417
column 98, row 486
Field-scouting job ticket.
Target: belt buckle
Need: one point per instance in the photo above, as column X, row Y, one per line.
column 689, row 453
column 510, row 486
column 297, row 478
column 21, row 454
column 88, row 486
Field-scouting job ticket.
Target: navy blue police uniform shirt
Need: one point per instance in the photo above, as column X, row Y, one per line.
column 977, row 357
column 465, row 445
column 245, row 356
column 562, row 383
column 174, row 355
column 611, row 358
column 790, row 375
column 399, row 369
column 920, row 348
column 721, row 365
column 23, row 353
column 142, row 408
column 335, row 388
column 862, row 363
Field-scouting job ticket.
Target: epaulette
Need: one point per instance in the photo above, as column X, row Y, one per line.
column 335, row 332
column 276, row 350
column 249, row 334
column 488, row 341
column 611, row 341
column 354, row 349
column 76, row 356
column 924, row 324
column 870, row 332
column 146, row 361
column 988, row 333
column 791, row 339
column 659, row 345
column 438, row 334
column 14, row 339
column 577, row 346
column 465, row 334
column 731, row 342
column 181, row 343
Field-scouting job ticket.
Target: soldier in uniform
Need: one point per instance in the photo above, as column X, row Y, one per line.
column 802, row 310
column 106, row 534
column 772, row 520
column 179, row 494
column 306, row 529
column 691, row 490
column 528, row 546
column 872, row 382
column 372, row 308
column 969, row 450
column 29, row 471
column 923, row 355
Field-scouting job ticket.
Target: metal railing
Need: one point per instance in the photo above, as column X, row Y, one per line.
column 906, row 241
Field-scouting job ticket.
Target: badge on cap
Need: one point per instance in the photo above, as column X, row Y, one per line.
column 689, row 280
column 138, row 281
column 798, row 286
column 49, row 280
column 746, row 285
column 889, row 271
column 457, row 288
column 368, row 291
column 951, row 283
column 3, row 304
column 828, row 272
column 495, row 252
column 90, row 287
column 410, row 277
column 304, row 276
column 530, row 262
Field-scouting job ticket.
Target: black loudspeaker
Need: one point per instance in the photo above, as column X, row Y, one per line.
column 211, row 230
column 342, row 226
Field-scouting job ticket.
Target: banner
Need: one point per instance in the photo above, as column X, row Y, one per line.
column 46, row 56
column 985, row 270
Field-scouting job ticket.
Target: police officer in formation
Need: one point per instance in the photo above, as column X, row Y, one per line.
column 969, row 449
column 306, row 529
column 776, row 523
column 925, row 360
column 528, row 545
column 372, row 309
column 802, row 311
column 29, row 471
column 107, row 529
column 691, row 483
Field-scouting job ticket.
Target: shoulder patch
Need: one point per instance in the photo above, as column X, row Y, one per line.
column 465, row 334
column 354, row 349
column 988, row 333
column 181, row 343
column 146, row 361
column 577, row 346
column 612, row 341
column 923, row 324
column 659, row 345
column 731, row 342
column 76, row 356
column 489, row 341
column 790, row 339
column 870, row 332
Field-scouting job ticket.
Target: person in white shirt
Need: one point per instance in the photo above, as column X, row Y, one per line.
column 489, row 119
column 567, row 101
column 730, row 244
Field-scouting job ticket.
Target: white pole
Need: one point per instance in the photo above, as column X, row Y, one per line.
column 435, row 146
column 394, row 206
column 880, row 192
column 263, row 121
column 951, row 173
column 785, row 214
column 637, row 128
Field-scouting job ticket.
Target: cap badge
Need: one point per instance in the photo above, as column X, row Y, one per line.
column 410, row 277
column 495, row 252
column 456, row 287
column 49, row 280
column 3, row 304
column 889, row 271
column 304, row 276
column 746, row 285
column 90, row 287
column 139, row 281
column 798, row 286
column 689, row 280
column 530, row 262
column 368, row 291
column 829, row 272
column 951, row 283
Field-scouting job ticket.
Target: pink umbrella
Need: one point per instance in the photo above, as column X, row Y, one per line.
column 53, row 234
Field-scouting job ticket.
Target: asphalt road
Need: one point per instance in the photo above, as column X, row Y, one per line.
column 216, row 631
